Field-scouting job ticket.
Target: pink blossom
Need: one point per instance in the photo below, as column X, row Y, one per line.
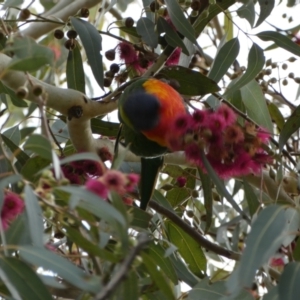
column 133, row 180
column 114, row 180
column 227, row 113
column 105, row 154
column 277, row 262
column 97, row 187
column 92, row 168
column 174, row 58
column 13, row 205
column 200, row 117
column 128, row 201
column 127, row 52
column 263, row 135
column 233, row 134
column 181, row 181
column 181, row 124
column 216, row 122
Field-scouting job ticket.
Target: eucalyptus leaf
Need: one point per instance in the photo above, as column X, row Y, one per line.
column 26, row 282
column 280, row 40
column 171, row 36
column 157, row 276
column 14, row 99
column 39, row 145
column 256, row 61
column 28, row 55
column 224, row 59
column 188, row 248
column 267, row 234
column 266, row 7
column 21, row 156
column 179, row 20
column 34, row 217
column 145, row 28
column 247, row 12
column 191, row 83
column 288, row 287
column 256, row 106
column 290, row 126
column 92, row 43
column 74, row 71
column 50, row 261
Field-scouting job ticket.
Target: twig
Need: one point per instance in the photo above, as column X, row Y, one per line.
column 193, row 233
column 143, row 240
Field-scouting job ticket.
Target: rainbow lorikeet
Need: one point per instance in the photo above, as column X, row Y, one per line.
column 146, row 110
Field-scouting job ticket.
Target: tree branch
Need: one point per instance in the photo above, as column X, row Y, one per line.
column 193, row 233
column 60, row 11
column 123, row 269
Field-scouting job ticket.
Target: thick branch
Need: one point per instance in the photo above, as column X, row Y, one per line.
column 57, row 98
column 193, row 233
column 60, row 12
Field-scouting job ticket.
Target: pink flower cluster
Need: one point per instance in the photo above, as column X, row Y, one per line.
column 115, row 181
column 231, row 149
column 13, row 205
column 133, row 59
column 79, row 171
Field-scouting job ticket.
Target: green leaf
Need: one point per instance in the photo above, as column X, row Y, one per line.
column 213, row 10
column 256, row 61
column 171, row 36
column 39, row 145
column 48, row 260
column 290, row 126
column 183, row 272
column 131, row 31
column 35, row 217
column 129, row 288
column 280, row 40
column 256, row 106
column 146, row 29
column 214, row 291
column 105, row 128
column 23, row 279
column 266, row 7
column 228, row 25
column 247, row 12
column 88, row 246
column 179, row 21
column 21, row 156
column 224, row 59
column 267, row 234
column 28, row 55
column 139, row 218
column 26, row 131
column 296, row 252
column 74, row 71
column 157, row 276
column 97, row 206
column 14, row 99
column 60, row 130
column 157, row 253
column 221, row 187
column 191, row 83
column 13, row 134
column 18, row 232
column 188, row 248
column 177, row 195
column 276, row 115
column 288, row 286
column 92, row 43
column 251, row 197
column 33, row 166
column 208, row 200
